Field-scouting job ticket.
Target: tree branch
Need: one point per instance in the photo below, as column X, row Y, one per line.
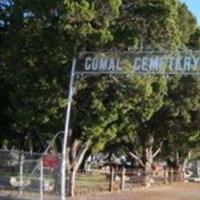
column 81, row 155
column 74, row 149
column 137, row 157
column 158, row 150
column 187, row 158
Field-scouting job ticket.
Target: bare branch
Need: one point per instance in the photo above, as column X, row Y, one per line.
column 74, row 149
column 137, row 157
column 137, row 153
column 81, row 155
column 157, row 152
column 134, row 156
column 187, row 158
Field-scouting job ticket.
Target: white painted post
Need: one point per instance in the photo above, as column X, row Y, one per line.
column 66, row 132
column 21, row 169
column 41, row 179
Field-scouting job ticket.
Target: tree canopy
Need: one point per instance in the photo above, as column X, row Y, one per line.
column 141, row 114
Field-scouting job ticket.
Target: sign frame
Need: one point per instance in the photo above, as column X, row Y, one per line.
column 111, row 72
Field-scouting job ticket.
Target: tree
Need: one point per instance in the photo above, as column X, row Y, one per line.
column 186, row 23
column 143, row 142
column 39, row 40
column 31, row 61
column 86, row 27
column 179, row 116
column 194, row 42
column 147, row 25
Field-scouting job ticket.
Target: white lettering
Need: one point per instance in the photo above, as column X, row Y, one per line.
column 196, row 62
column 95, row 63
column 178, row 66
column 137, row 64
column 88, row 63
column 118, row 68
column 145, row 63
column 111, row 65
column 103, row 64
column 154, row 64
column 187, row 64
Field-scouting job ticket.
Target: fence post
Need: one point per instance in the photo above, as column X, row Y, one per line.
column 112, row 179
column 122, row 179
column 182, row 175
column 21, row 170
column 41, row 178
column 165, row 176
column 171, row 175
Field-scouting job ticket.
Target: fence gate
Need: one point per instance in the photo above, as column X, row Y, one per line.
column 29, row 176
column 39, row 178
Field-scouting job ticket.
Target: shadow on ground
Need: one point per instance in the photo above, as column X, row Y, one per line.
column 10, row 198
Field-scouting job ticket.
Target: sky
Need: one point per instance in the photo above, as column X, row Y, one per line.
column 194, row 7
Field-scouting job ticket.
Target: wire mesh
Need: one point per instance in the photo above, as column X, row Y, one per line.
column 28, row 176
column 9, row 170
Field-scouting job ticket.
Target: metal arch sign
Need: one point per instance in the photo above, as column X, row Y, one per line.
column 187, row 63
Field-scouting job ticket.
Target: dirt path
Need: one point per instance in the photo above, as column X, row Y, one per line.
column 185, row 191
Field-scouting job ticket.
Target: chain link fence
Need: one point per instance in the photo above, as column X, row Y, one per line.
column 9, row 170
column 25, row 175
column 30, row 176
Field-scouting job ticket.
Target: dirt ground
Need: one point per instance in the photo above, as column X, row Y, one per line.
column 184, row 191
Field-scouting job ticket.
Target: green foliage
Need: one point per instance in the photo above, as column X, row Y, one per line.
column 38, row 41
column 148, row 25
column 86, row 23
column 194, row 42
column 186, row 24
column 180, row 115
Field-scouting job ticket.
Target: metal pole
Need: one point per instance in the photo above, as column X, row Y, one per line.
column 41, row 179
column 52, row 141
column 45, row 152
column 21, row 175
column 66, row 132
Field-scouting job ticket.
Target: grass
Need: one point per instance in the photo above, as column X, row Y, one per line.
column 91, row 182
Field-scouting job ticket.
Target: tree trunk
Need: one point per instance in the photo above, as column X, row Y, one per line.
column 72, row 177
column 75, row 156
column 182, row 173
column 179, row 165
column 147, row 158
column 148, row 167
column 182, row 169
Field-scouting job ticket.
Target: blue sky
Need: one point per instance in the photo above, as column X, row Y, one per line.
column 194, row 7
